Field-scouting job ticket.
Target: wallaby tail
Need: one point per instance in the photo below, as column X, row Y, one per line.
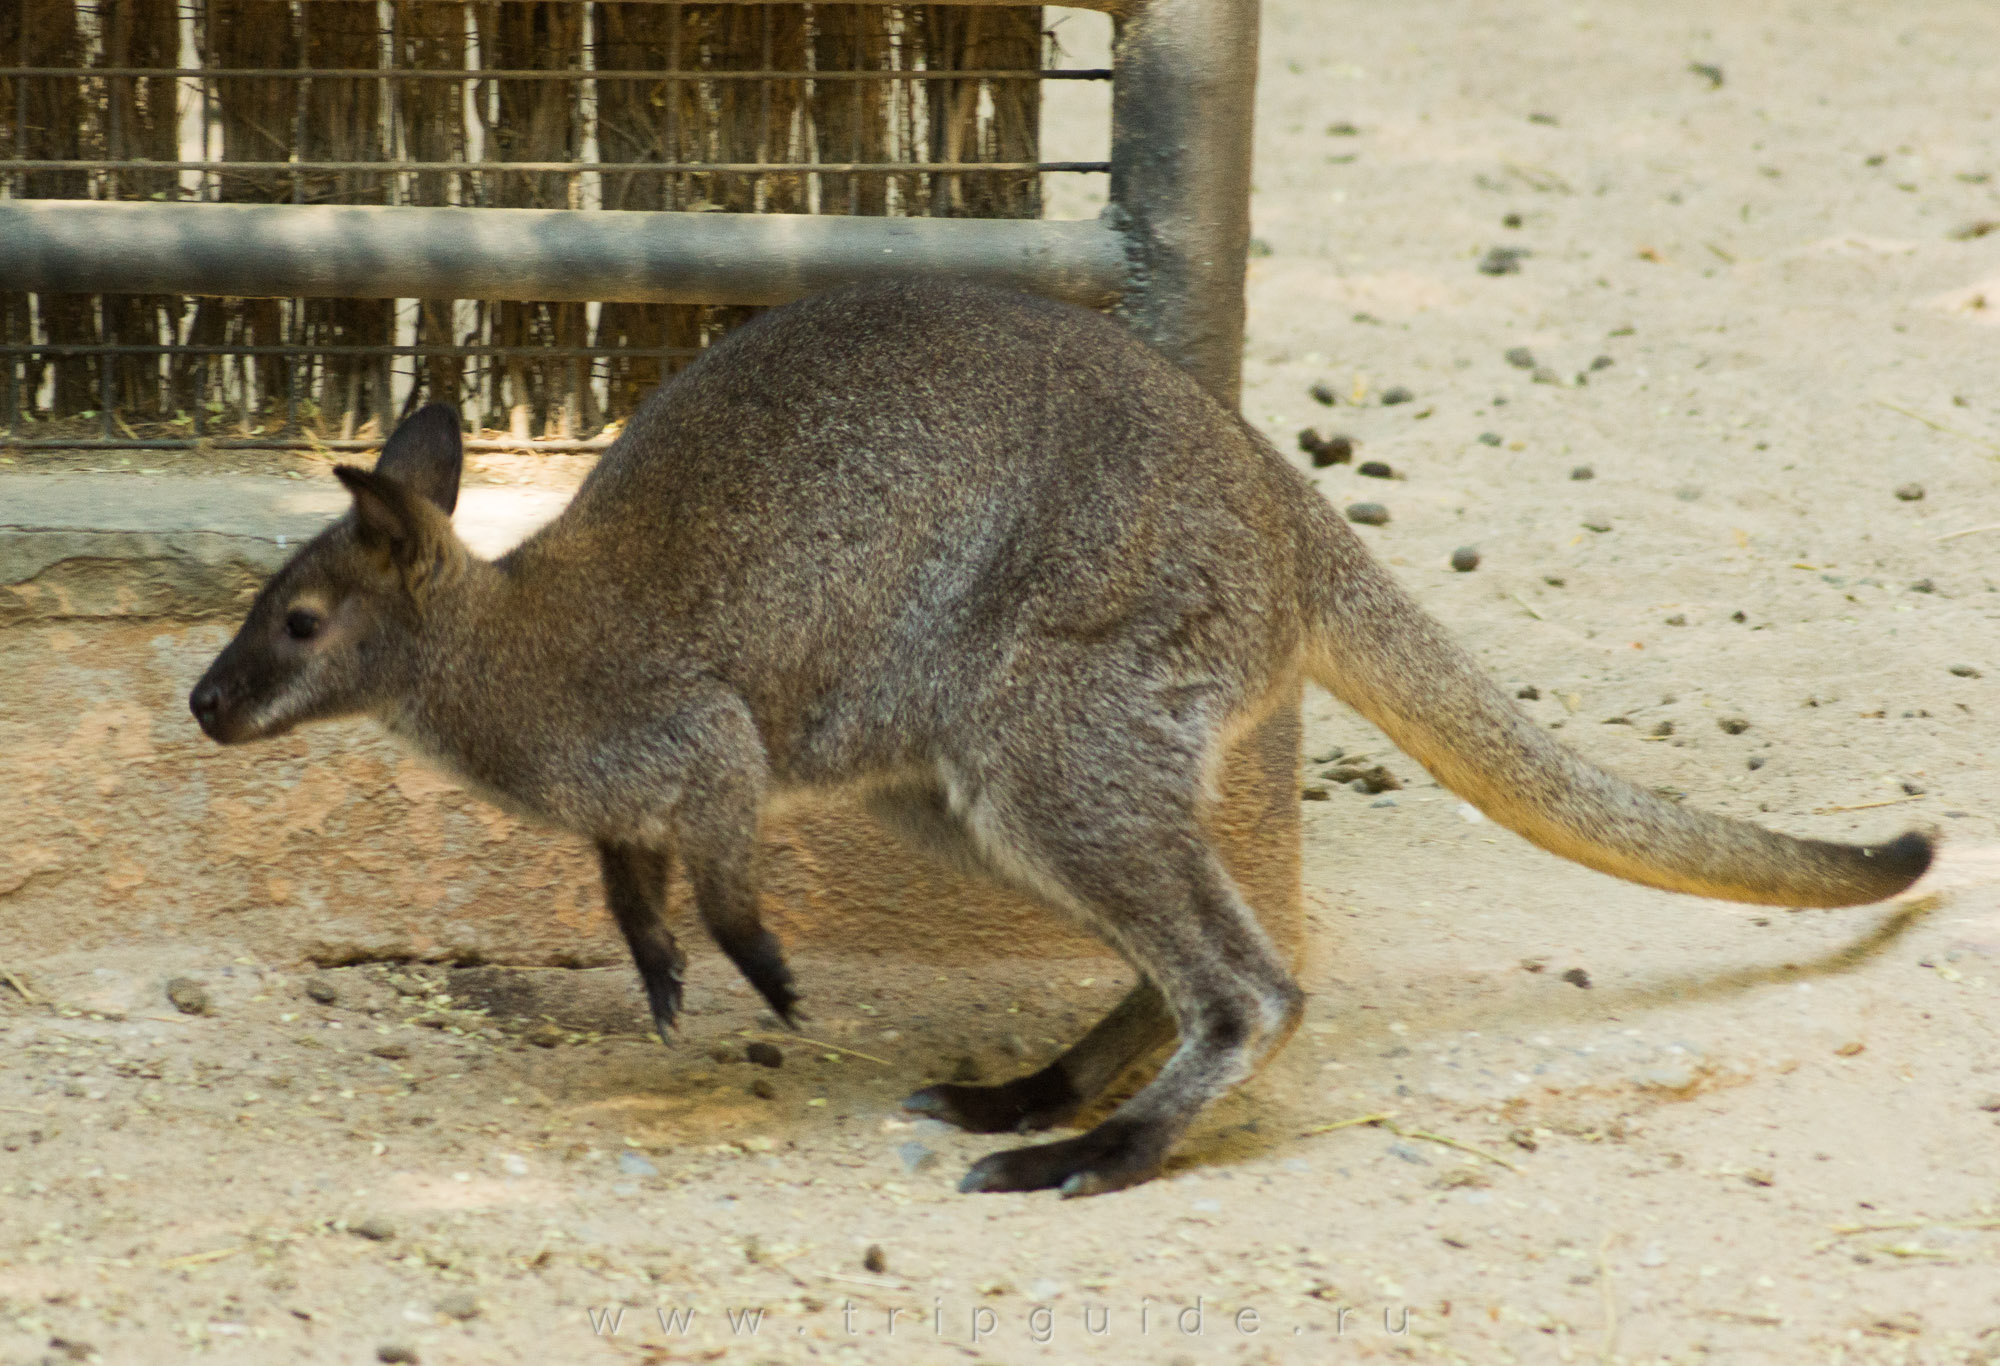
column 1379, row 652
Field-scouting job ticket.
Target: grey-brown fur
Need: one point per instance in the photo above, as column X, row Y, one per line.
column 995, row 563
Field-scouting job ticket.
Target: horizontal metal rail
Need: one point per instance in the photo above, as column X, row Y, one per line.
column 344, row 251
column 390, row 168
column 382, row 73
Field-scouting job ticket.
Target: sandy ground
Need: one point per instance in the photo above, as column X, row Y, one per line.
column 1622, row 1126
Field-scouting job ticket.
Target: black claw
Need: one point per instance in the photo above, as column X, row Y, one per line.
column 762, row 962
column 663, row 994
column 1038, row 1101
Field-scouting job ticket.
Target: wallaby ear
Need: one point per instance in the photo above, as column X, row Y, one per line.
column 390, row 517
column 426, row 454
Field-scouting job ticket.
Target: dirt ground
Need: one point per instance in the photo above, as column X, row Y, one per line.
column 1620, row 1125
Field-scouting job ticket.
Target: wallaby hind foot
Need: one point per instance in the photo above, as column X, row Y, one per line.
column 1136, row 1026
column 635, row 888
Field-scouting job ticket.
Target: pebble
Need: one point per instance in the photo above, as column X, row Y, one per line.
column 1602, row 363
column 763, row 1090
column 394, row 1052
column 1923, row 586
column 1653, row 1256
column 1524, row 1139
column 458, row 1304
column 1502, row 260
column 1323, row 394
column 1383, row 801
column 764, row 1054
column 1326, row 450
column 1465, row 559
column 1409, row 1153
column 722, row 1052
column 1490, row 438
column 634, row 1164
column 1582, row 472
column 1314, row 792
column 1373, row 779
column 1663, row 728
column 1990, row 1103
column 1520, row 357
column 1597, row 522
column 1756, row 762
column 375, row 1228
column 544, row 1035
column 1512, row 220
column 1677, row 619
column 916, row 1157
column 189, row 996
column 874, row 1259
column 321, row 990
column 1368, row 514
column 1965, row 671
column 396, row 1354
column 1910, row 493
column 1671, row 1077
column 1544, row 375
column 1395, row 394
column 1733, row 725
column 1375, row 469
column 1577, row 977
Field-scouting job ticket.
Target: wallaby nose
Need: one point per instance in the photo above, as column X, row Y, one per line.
column 206, row 704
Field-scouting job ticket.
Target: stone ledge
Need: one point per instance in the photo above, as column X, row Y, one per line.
column 139, row 546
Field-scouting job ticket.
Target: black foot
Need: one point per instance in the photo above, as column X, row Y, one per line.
column 762, row 963
column 663, row 994
column 1039, row 1101
column 1108, row 1158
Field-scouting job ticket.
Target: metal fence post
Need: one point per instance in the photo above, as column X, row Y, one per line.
column 1181, row 118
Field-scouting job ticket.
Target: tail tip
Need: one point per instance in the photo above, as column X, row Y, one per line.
column 1903, row 860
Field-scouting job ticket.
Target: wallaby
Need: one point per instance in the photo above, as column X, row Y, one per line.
column 994, row 564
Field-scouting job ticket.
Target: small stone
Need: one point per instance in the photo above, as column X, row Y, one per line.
column 1990, row 1103
column 1677, row 619
column 1323, row 394
column 322, row 991
column 1491, row 438
column 1544, row 375
column 460, row 1304
column 545, row 1034
column 1502, row 260
column 1520, row 357
column 394, row 1052
column 375, row 1228
column 1511, row 220
column 1326, row 450
column 1395, row 394
column 1534, row 964
column 1577, row 977
column 1759, row 1176
column 1597, row 522
column 1853, row 1048
column 874, row 1259
column 1923, row 586
column 1756, row 761
column 1375, row 469
column 189, row 996
column 1960, row 670
column 1465, row 559
column 1259, row 248
column 1524, row 1139
column 1663, row 728
column 1383, row 801
column 1546, row 120
column 1733, row 725
column 1910, row 493
column 764, row 1054
column 722, row 1052
column 1582, row 472
column 1528, row 692
column 1602, row 363
column 396, row 1354
column 1314, row 792
column 1342, row 129
column 763, row 1089
column 1654, row 1255
column 1368, row 514
column 635, row 1164
column 1738, row 618
column 916, row 1157
column 1911, row 789
column 1675, row 1077
column 1409, row 1152
column 1373, row 779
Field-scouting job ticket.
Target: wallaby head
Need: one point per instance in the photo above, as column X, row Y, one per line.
column 336, row 631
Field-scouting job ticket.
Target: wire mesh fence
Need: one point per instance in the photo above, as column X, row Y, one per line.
column 917, row 110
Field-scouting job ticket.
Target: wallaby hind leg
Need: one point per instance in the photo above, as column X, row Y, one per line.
column 725, row 893
column 1136, row 1026
column 635, row 887
column 1119, row 843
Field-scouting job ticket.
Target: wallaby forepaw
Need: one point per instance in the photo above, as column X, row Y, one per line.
column 1040, row 1101
column 1110, row 1157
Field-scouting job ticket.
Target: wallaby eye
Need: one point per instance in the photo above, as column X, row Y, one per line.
column 302, row 623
